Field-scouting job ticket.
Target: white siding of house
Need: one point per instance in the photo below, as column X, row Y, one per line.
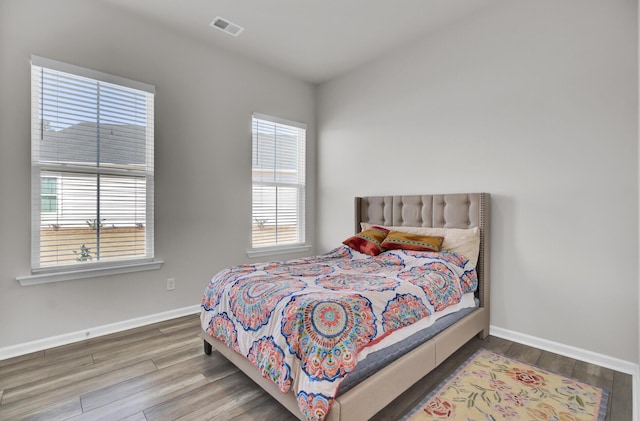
column 122, row 201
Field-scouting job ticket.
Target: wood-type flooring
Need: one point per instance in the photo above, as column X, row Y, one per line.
column 160, row 372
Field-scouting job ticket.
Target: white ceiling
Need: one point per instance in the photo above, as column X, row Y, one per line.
column 311, row 40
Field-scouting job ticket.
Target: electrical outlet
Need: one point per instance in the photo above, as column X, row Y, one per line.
column 171, row 284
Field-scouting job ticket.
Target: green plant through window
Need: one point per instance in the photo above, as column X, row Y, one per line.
column 84, row 255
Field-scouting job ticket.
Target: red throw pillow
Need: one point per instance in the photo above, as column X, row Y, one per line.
column 368, row 241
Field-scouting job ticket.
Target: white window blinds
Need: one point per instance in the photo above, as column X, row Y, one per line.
column 278, row 172
column 92, row 167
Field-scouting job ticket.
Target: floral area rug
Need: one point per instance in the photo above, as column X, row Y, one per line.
column 490, row 386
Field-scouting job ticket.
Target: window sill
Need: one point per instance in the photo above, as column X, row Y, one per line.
column 274, row 251
column 45, row 278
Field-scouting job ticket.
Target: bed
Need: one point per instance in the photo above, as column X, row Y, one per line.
column 375, row 391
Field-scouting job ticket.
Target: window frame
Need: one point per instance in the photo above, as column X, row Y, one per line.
column 301, row 245
column 61, row 272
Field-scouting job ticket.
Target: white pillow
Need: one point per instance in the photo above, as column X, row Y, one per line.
column 458, row 240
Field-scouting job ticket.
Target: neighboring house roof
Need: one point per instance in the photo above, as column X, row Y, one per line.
column 119, row 144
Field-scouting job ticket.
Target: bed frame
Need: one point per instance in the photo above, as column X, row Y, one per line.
column 371, row 395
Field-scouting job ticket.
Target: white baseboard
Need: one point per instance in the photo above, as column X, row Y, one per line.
column 67, row 338
column 566, row 350
column 577, row 354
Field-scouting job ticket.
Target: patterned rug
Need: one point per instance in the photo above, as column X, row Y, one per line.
column 490, row 386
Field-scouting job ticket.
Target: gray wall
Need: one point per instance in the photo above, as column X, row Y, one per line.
column 536, row 103
column 205, row 98
column 533, row 102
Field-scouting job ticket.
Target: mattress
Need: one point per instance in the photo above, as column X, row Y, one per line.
column 377, row 360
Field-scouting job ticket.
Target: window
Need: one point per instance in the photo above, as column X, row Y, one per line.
column 92, row 168
column 278, row 173
column 49, row 198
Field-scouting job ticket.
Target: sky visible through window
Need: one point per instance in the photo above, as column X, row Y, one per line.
column 70, row 100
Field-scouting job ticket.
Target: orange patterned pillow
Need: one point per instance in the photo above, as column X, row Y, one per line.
column 406, row 241
column 368, row 241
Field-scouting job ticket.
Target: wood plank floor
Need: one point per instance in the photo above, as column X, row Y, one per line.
column 159, row 372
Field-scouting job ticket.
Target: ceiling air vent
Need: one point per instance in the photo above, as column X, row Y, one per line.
column 226, row 26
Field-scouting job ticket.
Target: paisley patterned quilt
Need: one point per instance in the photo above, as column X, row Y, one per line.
column 303, row 322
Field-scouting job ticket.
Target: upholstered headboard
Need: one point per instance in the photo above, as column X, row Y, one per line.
column 461, row 210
